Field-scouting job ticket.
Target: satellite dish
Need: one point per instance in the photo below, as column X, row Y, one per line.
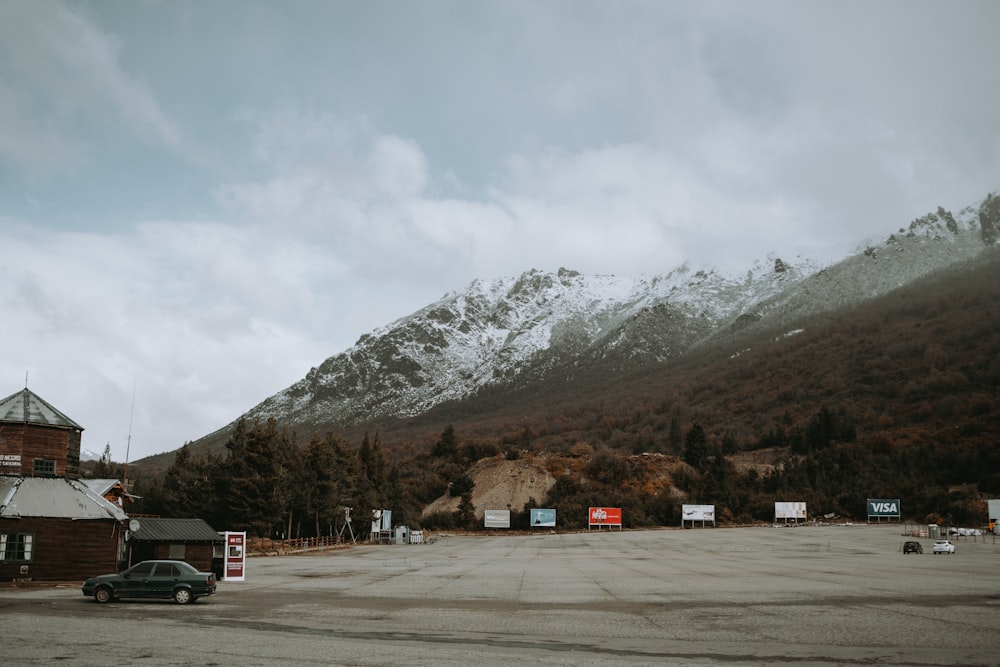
column 133, row 525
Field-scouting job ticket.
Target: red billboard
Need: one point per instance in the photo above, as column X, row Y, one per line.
column 605, row 516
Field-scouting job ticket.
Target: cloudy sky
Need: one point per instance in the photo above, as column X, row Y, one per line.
column 199, row 201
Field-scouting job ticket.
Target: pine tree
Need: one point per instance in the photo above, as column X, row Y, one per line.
column 258, row 480
column 447, row 446
column 696, row 447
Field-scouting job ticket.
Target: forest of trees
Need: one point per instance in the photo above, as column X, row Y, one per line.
column 271, row 486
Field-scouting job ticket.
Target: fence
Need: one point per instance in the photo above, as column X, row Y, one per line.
column 935, row 532
column 266, row 546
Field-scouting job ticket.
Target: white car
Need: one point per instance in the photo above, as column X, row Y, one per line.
column 943, row 547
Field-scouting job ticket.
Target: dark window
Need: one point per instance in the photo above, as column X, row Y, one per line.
column 142, row 570
column 16, row 546
column 166, row 570
column 45, row 467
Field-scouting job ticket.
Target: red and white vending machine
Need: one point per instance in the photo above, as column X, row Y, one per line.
column 235, row 561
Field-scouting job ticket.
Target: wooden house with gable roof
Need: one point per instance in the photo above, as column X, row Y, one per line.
column 52, row 525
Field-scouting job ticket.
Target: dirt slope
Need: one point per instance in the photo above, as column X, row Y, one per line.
column 500, row 484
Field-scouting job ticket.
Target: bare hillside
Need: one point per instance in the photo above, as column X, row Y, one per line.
column 500, row 484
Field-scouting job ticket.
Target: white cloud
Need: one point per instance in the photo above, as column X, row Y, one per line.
column 398, row 167
column 64, row 73
column 366, row 167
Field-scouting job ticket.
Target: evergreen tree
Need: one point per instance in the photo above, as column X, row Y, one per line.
column 373, row 487
column 257, row 482
column 105, row 467
column 674, row 439
column 447, row 446
column 328, row 471
column 189, row 486
column 696, row 447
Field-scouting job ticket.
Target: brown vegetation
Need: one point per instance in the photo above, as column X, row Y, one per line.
column 894, row 398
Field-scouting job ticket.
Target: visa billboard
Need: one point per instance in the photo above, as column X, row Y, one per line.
column 883, row 508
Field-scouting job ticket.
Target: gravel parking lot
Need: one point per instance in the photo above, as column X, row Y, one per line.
column 837, row 595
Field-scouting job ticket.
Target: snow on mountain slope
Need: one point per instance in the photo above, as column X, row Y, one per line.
column 517, row 329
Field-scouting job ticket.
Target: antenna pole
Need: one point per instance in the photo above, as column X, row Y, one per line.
column 128, row 443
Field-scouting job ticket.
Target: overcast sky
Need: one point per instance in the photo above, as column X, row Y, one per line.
column 200, row 201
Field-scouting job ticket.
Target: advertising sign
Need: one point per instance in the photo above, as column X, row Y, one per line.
column 543, row 518
column 698, row 512
column 790, row 511
column 381, row 520
column 497, row 519
column 883, row 508
column 993, row 508
column 235, row 560
column 692, row 513
column 605, row 516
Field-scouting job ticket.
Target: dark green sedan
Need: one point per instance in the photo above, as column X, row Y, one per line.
column 153, row 579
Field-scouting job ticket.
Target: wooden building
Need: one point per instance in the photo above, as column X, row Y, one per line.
column 36, row 440
column 190, row 540
column 52, row 526
column 57, row 529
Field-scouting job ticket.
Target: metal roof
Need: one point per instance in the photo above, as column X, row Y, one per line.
column 174, row 530
column 53, row 498
column 100, row 486
column 26, row 407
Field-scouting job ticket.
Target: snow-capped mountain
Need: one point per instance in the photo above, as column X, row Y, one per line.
column 513, row 331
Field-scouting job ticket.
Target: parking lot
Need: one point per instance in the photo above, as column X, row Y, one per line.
column 837, row 595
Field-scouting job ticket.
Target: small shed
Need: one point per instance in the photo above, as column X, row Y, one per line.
column 190, row 540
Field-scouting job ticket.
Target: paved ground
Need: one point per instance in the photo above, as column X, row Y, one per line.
column 841, row 595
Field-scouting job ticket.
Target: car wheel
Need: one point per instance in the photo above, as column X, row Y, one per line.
column 182, row 596
column 103, row 594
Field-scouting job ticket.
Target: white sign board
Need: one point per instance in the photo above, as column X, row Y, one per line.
column 993, row 507
column 497, row 519
column 698, row 512
column 790, row 511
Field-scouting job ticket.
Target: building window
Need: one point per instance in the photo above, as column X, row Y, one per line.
column 176, row 552
column 45, row 467
column 15, row 546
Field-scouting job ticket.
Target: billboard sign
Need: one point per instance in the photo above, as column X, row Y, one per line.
column 698, row 512
column 543, row 518
column 883, row 508
column 497, row 519
column 381, row 521
column 235, row 559
column 790, row 510
column 605, row 516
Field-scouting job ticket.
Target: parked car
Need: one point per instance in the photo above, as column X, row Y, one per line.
column 944, row 547
column 153, row 579
column 912, row 548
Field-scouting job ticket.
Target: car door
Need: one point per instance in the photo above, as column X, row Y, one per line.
column 163, row 580
column 135, row 581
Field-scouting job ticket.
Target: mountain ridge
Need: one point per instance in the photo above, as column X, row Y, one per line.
column 516, row 331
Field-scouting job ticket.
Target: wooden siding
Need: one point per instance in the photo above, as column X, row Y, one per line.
column 33, row 441
column 64, row 549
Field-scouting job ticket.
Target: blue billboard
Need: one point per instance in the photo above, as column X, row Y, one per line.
column 543, row 518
